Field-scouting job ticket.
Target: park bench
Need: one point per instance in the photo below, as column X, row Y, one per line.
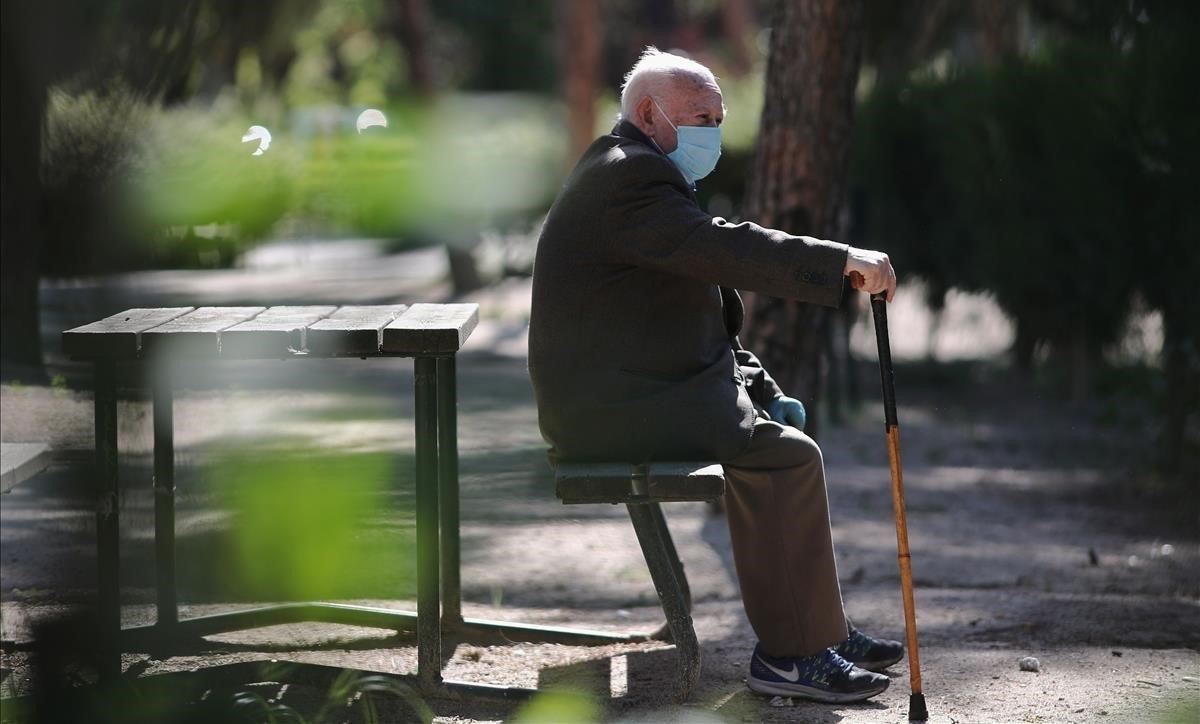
column 641, row 488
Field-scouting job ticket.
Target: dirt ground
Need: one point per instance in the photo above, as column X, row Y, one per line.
column 1030, row 534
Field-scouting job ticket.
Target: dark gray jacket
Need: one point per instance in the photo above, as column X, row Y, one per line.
column 633, row 347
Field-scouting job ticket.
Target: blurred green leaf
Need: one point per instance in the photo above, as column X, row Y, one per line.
column 297, row 519
column 558, row 707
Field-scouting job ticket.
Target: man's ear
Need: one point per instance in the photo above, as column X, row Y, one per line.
column 645, row 113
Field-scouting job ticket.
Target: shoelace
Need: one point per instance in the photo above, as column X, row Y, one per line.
column 856, row 645
column 835, row 659
column 824, row 666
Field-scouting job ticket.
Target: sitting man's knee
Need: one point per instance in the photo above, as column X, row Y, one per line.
column 801, row 448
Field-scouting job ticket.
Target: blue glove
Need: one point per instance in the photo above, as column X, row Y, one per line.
column 787, row 411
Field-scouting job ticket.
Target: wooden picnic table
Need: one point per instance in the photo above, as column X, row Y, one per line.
column 431, row 334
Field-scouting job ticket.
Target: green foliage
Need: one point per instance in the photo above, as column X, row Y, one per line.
column 1026, row 180
column 298, row 520
column 345, row 54
column 1183, row 710
column 196, row 172
column 559, row 707
column 498, row 46
column 1064, row 184
column 92, row 142
column 491, row 158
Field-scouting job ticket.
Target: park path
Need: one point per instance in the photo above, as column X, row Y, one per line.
column 1029, row 534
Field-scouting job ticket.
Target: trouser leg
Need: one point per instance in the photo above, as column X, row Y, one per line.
column 778, row 514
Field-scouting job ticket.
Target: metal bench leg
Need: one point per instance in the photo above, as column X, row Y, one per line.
column 164, row 502
column 660, row 522
column 447, row 431
column 429, row 628
column 670, row 593
column 107, row 523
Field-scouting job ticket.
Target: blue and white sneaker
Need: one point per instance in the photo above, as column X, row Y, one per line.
column 868, row 652
column 823, row 677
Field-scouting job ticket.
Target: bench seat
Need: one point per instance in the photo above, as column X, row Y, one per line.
column 665, row 482
column 641, row 488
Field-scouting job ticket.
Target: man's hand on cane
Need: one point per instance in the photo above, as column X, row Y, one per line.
column 871, row 272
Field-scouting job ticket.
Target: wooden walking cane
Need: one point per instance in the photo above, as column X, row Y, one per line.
column 916, row 701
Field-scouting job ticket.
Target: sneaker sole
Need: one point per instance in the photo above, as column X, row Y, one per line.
column 809, row 692
column 877, row 666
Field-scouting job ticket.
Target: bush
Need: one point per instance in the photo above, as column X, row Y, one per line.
column 1062, row 183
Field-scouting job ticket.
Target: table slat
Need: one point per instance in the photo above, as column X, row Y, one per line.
column 431, row 329
column 197, row 333
column 351, row 330
column 277, row 332
column 118, row 335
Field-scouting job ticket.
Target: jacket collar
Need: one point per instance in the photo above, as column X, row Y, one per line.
column 626, row 129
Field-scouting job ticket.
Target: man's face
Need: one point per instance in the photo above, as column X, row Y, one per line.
column 687, row 103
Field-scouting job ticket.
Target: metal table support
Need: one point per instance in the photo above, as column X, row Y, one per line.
column 164, row 500
column 107, row 523
column 429, row 629
column 439, row 598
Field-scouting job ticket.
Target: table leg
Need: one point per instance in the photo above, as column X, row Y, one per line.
column 164, row 500
column 448, row 490
column 108, row 606
column 429, row 632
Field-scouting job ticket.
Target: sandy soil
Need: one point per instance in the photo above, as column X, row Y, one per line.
column 1030, row 537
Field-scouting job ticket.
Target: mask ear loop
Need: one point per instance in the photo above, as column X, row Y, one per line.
column 664, row 114
column 668, row 120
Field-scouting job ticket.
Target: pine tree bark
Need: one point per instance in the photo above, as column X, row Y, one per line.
column 581, row 28
column 798, row 181
column 413, row 28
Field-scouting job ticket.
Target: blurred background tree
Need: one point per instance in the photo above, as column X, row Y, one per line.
column 1042, row 152
column 106, row 61
column 798, row 180
column 1053, row 178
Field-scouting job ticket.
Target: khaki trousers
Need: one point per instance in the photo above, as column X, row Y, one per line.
column 778, row 514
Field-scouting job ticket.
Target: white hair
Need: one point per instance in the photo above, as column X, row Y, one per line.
column 655, row 72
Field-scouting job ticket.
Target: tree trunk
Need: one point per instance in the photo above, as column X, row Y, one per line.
column 737, row 25
column 413, row 30
column 798, row 182
column 24, row 103
column 997, row 29
column 581, row 60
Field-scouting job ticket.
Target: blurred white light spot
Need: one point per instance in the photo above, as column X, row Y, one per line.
column 260, row 134
column 370, row 117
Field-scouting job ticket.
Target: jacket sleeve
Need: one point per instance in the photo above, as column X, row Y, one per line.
column 652, row 221
column 759, row 383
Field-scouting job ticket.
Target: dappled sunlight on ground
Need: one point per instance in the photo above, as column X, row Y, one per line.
column 1020, row 544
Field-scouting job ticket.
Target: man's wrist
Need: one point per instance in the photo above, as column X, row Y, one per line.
column 852, row 256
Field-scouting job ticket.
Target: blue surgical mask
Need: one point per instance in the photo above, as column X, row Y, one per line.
column 697, row 149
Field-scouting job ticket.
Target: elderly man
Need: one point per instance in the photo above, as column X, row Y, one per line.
column 634, row 356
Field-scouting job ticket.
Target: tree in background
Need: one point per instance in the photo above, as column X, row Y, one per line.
column 44, row 44
column 799, row 177
column 582, row 37
column 1062, row 182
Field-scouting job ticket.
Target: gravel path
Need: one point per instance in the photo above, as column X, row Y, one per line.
column 1029, row 537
